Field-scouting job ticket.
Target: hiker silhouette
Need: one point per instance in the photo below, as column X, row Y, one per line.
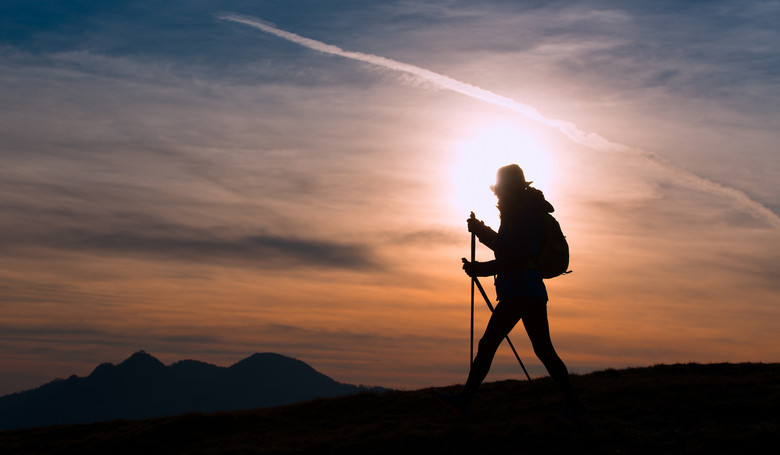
column 520, row 291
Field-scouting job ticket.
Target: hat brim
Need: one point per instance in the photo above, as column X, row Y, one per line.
column 499, row 187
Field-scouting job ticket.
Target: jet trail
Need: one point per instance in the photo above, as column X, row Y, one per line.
column 591, row 140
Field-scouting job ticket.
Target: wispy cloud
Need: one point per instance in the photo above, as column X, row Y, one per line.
column 589, row 139
column 161, row 240
column 198, row 189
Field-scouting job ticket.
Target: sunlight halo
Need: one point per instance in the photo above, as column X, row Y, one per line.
column 485, row 149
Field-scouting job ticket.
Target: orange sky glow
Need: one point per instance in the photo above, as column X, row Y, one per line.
column 287, row 200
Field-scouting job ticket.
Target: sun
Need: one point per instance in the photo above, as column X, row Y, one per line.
column 479, row 155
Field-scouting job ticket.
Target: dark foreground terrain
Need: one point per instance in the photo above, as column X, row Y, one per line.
column 691, row 408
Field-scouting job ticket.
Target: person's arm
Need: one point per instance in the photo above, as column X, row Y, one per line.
column 477, row 268
column 486, row 235
column 490, row 268
column 514, row 247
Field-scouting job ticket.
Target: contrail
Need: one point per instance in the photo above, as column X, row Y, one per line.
column 591, row 140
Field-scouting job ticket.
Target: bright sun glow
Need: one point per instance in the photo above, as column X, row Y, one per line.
column 479, row 156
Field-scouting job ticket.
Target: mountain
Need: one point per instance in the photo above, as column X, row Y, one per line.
column 142, row 387
column 665, row 409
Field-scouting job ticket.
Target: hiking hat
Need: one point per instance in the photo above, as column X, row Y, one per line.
column 509, row 177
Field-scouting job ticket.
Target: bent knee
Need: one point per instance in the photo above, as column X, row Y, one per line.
column 544, row 351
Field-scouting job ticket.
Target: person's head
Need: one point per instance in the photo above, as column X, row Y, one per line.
column 510, row 188
column 509, row 180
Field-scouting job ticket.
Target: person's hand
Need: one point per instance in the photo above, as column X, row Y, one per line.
column 474, row 269
column 474, row 225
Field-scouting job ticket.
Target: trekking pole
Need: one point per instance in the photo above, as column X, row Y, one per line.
column 473, row 280
column 487, row 300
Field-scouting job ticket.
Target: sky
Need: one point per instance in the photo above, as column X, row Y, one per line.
column 206, row 180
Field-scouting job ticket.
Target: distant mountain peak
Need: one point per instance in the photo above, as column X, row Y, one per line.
column 142, row 387
column 270, row 361
column 141, row 360
column 266, row 356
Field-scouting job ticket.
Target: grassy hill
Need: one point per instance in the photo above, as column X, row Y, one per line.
column 691, row 408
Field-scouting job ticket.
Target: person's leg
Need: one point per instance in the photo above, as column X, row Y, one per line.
column 506, row 315
column 538, row 329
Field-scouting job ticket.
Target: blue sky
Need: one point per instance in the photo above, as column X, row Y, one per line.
column 201, row 189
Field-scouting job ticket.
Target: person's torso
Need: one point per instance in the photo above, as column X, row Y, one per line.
column 519, row 239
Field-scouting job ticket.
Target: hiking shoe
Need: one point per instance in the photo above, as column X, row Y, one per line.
column 453, row 403
column 576, row 411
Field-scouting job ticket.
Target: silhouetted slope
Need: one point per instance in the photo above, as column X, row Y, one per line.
column 142, row 387
column 679, row 409
column 255, row 375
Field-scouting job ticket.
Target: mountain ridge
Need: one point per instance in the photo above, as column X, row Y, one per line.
column 143, row 387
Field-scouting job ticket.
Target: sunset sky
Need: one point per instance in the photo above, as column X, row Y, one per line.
column 207, row 180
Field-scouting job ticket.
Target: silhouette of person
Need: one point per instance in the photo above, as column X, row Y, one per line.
column 520, row 291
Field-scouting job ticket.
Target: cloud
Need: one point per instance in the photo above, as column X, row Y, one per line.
column 172, row 242
column 46, row 334
column 265, row 251
column 124, row 156
column 589, row 139
column 425, row 237
column 159, row 166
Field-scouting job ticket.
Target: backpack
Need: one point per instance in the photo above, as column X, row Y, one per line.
column 553, row 257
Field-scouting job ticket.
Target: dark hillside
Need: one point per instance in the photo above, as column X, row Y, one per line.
column 685, row 409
